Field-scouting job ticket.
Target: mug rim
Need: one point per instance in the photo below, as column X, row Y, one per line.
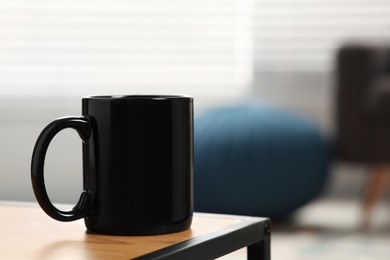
column 135, row 97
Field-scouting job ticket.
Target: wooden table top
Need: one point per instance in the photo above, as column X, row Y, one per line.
column 28, row 233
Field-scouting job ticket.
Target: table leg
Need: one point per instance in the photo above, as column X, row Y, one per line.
column 262, row 249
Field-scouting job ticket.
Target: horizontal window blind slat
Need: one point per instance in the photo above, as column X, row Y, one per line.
column 308, row 32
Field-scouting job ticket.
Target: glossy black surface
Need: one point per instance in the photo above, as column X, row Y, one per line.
column 138, row 164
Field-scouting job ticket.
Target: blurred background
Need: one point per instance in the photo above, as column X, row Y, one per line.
column 52, row 53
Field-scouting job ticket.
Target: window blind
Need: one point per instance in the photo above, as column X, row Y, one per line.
column 78, row 47
column 302, row 35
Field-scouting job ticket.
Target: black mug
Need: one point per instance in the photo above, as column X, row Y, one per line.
column 137, row 164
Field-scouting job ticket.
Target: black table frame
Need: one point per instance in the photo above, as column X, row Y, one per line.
column 253, row 233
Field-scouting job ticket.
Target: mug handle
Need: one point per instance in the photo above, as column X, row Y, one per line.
column 84, row 206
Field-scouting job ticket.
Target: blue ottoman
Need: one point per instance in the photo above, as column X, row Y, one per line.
column 257, row 160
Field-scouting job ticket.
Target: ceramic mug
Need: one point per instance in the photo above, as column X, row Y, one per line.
column 137, row 164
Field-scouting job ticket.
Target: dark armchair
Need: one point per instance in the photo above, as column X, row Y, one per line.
column 363, row 113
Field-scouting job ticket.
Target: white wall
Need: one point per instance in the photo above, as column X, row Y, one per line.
column 21, row 120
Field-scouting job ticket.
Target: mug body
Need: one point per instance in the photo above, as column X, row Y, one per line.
column 138, row 164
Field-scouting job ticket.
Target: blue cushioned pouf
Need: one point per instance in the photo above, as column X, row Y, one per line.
column 257, row 160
